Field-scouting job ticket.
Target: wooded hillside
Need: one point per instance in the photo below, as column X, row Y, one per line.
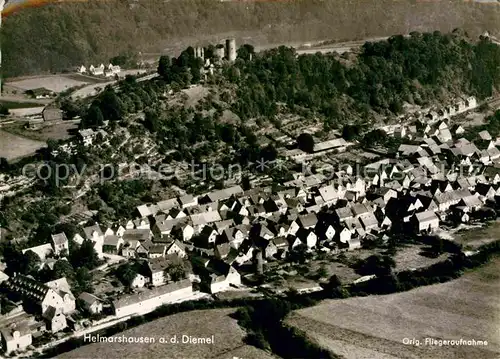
column 58, row 36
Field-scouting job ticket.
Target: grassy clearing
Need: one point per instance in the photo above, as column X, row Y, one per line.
column 375, row 326
column 409, row 257
column 58, row 131
column 472, row 239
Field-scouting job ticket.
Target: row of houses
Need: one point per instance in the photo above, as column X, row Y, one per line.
column 433, row 122
column 101, row 70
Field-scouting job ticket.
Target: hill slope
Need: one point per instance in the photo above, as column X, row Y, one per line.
column 58, row 36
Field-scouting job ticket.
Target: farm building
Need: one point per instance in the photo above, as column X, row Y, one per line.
column 40, row 93
column 151, row 299
column 17, row 335
column 96, row 71
column 112, row 70
column 338, row 144
column 426, row 221
column 90, row 303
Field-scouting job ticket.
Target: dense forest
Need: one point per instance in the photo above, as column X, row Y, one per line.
column 418, row 69
column 57, row 37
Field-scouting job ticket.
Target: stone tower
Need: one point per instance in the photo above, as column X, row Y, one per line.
column 231, row 49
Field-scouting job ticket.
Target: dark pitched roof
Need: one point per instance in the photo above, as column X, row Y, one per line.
column 308, row 220
column 50, row 313
column 59, row 238
column 158, row 264
column 88, row 298
column 157, row 249
column 137, row 234
column 27, row 287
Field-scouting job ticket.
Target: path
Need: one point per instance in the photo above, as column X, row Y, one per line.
column 92, row 89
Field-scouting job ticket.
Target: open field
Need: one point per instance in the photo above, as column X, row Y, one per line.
column 13, row 147
column 228, row 339
column 58, row 131
column 56, row 83
column 375, row 326
column 90, row 90
column 22, row 113
column 409, row 257
column 85, row 78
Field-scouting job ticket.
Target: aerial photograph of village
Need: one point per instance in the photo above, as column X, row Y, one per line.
column 244, row 179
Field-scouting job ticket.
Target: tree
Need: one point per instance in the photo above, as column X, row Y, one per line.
column 334, row 281
column 380, row 265
column 126, row 273
column 322, row 272
column 196, row 66
column 350, row 132
column 334, row 288
column 33, row 262
column 70, row 109
column 94, row 118
column 4, row 164
column 306, row 142
column 269, row 153
column 375, row 137
column 85, row 256
column 164, row 65
column 4, row 110
column 83, row 281
column 125, row 60
column 13, row 257
column 246, row 51
column 110, row 104
column 62, row 268
column 245, row 183
column 177, row 268
column 227, row 133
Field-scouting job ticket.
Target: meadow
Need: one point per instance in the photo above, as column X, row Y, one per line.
column 228, row 339
column 55, row 83
column 14, row 147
